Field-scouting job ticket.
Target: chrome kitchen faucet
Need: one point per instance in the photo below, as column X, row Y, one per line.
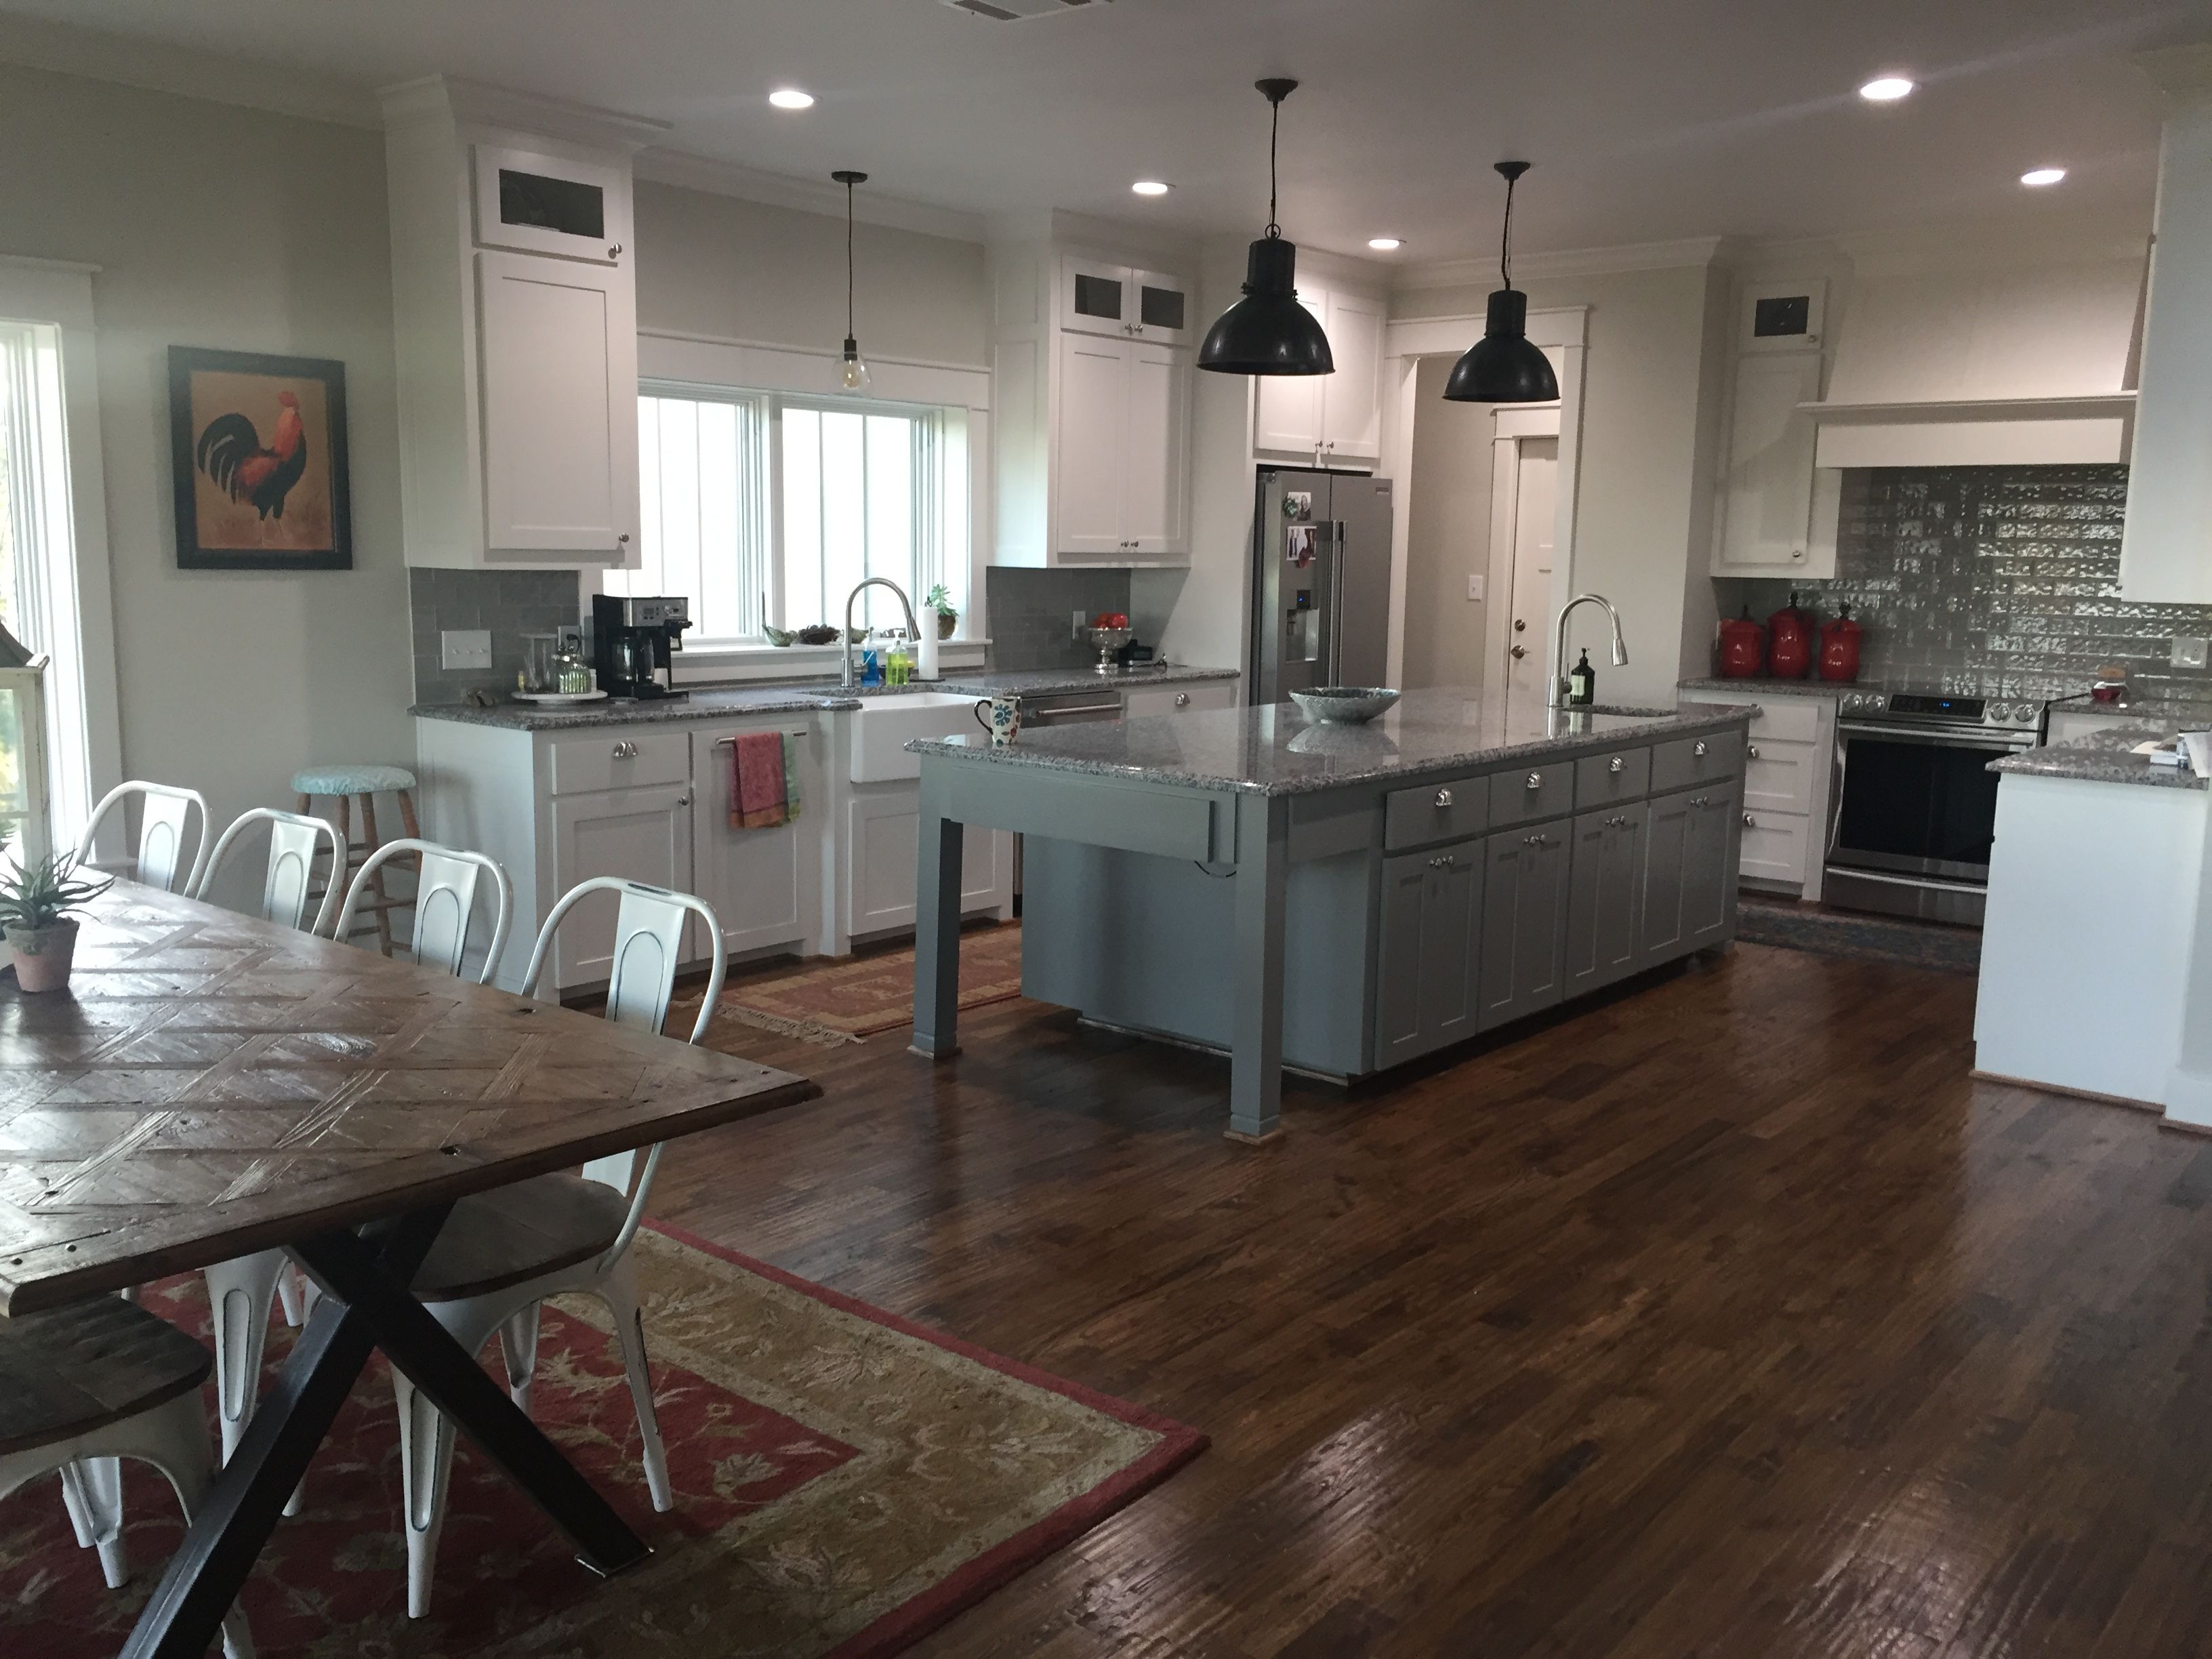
column 1558, row 696
column 846, row 639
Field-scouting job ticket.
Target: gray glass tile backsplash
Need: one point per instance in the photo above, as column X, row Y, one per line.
column 1032, row 614
column 510, row 603
column 2001, row 580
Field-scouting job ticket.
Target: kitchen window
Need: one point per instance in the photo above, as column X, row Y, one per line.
column 763, row 508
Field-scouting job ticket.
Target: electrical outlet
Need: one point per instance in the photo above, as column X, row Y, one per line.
column 465, row 648
column 1474, row 589
column 1082, row 627
column 2188, row 651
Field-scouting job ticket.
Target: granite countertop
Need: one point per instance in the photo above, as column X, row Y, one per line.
column 1274, row 750
column 2101, row 757
column 1761, row 686
column 801, row 697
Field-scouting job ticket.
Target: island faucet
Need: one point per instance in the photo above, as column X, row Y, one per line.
column 1558, row 692
column 913, row 632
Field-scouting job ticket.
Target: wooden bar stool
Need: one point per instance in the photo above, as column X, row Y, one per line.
column 363, row 784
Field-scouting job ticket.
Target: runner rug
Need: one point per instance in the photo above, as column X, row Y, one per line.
column 845, row 1483
column 844, row 999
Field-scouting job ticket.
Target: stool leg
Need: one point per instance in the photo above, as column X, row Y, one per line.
column 407, row 815
column 375, row 881
column 344, row 856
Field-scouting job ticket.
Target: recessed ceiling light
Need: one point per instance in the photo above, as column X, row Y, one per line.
column 1151, row 187
column 791, row 97
column 2035, row 178
column 1886, row 89
column 1384, row 243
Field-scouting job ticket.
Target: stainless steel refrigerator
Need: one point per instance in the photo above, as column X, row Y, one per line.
column 1321, row 586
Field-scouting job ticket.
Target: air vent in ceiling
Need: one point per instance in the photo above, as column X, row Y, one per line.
column 1013, row 11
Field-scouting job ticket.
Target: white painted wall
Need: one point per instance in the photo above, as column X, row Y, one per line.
column 224, row 226
column 1448, row 533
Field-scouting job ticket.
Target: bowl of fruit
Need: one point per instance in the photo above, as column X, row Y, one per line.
column 1110, row 632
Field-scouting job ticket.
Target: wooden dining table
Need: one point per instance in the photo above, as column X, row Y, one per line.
column 212, row 1085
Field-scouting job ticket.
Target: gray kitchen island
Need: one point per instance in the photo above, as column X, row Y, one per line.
column 1338, row 898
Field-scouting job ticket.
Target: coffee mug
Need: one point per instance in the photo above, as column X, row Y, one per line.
column 1001, row 716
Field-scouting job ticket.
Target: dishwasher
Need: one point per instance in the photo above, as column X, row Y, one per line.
column 1064, row 709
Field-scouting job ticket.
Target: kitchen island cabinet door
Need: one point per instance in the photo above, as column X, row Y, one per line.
column 1425, row 993
column 639, row 835
column 1524, row 920
column 1605, row 904
column 1689, row 872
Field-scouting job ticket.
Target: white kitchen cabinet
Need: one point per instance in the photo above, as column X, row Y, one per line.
column 1181, row 699
column 1323, row 418
column 1766, row 489
column 883, row 843
column 761, row 883
column 516, row 327
column 1788, row 769
column 1091, row 375
column 639, row 835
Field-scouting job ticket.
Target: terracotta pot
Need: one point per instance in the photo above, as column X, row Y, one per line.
column 43, row 955
column 946, row 622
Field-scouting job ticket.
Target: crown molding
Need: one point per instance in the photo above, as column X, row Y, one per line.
column 184, row 72
column 479, row 104
column 870, row 206
column 1684, row 252
column 2182, row 71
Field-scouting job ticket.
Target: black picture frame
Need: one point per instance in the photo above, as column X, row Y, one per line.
column 222, row 470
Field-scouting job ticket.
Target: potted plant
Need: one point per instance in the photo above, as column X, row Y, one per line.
column 939, row 600
column 36, row 901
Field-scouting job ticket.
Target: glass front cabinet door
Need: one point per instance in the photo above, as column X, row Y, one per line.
column 1098, row 297
column 534, row 202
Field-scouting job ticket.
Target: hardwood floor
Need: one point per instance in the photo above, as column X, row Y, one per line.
column 1728, row 1318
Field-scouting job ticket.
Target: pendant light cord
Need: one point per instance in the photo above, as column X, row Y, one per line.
column 848, row 251
column 1274, row 128
column 1504, row 239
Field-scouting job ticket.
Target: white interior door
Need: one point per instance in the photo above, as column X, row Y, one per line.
column 1535, row 499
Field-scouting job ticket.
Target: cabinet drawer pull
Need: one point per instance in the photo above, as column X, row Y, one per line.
column 1701, row 801
column 625, row 749
column 1700, row 749
column 1618, row 763
column 1616, row 824
column 1752, row 752
column 1443, row 798
column 1182, row 698
column 1444, row 862
column 1536, row 840
column 1535, row 780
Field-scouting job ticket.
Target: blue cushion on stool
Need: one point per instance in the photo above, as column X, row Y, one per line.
column 350, row 780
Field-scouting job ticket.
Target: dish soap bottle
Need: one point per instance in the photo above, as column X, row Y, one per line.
column 1582, row 683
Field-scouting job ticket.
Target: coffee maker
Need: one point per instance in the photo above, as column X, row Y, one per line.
column 632, row 641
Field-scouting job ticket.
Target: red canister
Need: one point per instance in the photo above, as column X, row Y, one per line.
column 1839, row 647
column 1788, row 642
column 1743, row 648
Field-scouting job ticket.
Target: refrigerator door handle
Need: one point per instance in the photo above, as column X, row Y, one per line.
column 1336, row 603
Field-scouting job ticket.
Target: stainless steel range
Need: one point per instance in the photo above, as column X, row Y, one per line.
column 1916, row 804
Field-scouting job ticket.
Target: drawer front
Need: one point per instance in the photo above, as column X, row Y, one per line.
column 1790, row 720
column 1435, row 811
column 1621, row 775
column 1686, row 761
column 1777, row 846
column 616, row 759
column 1528, row 793
column 1779, row 775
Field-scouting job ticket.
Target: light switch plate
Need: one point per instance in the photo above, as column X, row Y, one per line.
column 2188, row 651
column 1082, row 628
column 1474, row 589
column 465, row 648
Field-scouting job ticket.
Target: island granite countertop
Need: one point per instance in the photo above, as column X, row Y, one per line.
column 2105, row 757
column 803, row 696
column 1276, row 751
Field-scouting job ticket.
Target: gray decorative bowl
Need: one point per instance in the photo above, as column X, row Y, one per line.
column 1344, row 705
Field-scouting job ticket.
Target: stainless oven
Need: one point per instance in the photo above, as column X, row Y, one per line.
column 1915, row 802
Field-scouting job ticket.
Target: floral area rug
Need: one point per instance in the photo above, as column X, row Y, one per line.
column 845, row 1483
column 849, row 998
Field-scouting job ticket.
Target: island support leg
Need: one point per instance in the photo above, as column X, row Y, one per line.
column 1256, row 1062
column 936, row 926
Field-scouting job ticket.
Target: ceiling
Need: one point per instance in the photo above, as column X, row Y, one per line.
column 1648, row 120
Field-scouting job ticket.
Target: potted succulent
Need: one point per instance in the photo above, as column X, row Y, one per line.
column 939, row 600
column 36, row 901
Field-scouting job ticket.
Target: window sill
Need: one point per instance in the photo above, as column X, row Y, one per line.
column 788, row 662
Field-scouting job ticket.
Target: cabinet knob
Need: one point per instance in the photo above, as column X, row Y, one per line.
column 1443, row 798
column 1700, row 749
column 1182, row 698
column 684, row 800
column 1535, row 780
column 1701, row 801
column 1536, row 840
column 615, row 252
column 1796, row 552
column 1749, row 822
column 1618, row 764
column 622, row 540
column 1616, row 824
column 625, row 749
column 1752, row 751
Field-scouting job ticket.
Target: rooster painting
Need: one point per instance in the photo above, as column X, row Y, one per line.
column 260, row 447
column 229, row 451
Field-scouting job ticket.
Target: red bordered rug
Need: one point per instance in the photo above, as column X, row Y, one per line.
column 846, row 1481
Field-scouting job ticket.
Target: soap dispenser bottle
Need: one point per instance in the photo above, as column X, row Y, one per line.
column 1582, row 683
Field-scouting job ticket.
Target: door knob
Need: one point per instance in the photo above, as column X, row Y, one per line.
column 1520, row 625
column 1520, row 651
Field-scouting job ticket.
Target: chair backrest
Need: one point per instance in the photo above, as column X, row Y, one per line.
column 293, row 841
column 648, row 944
column 164, row 819
column 445, row 902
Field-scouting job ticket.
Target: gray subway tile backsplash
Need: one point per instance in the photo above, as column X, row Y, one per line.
column 1997, row 580
column 1030, row 613
column 510, row 603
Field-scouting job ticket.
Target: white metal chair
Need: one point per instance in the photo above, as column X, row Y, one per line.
column 502, row 1253
column 445, row 902
column 293, row 841
column 84, row 1386
column 165, row 815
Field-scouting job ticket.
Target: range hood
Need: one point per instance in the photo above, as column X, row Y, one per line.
column 2029, row 364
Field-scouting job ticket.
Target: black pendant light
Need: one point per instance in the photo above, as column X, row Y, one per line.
column 1268, row 332
column 1503, row 366
column 851, row 369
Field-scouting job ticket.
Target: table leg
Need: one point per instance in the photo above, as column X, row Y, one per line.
column 365, row 1305
column 1255, row 1052
column 936, row 926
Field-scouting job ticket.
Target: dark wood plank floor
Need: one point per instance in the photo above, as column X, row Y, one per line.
column 1729, row 1318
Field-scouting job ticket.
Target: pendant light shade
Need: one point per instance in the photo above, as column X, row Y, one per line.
column 851, row 369
column 1268, row 332
column 1504, row 367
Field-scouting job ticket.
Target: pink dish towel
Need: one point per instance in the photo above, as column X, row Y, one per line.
column 763, row 793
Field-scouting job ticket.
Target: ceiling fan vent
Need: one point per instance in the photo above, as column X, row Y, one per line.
column 1014, row 11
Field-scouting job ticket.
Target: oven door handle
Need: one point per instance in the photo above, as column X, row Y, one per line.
column 1996, row 742
column 1836, row 796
